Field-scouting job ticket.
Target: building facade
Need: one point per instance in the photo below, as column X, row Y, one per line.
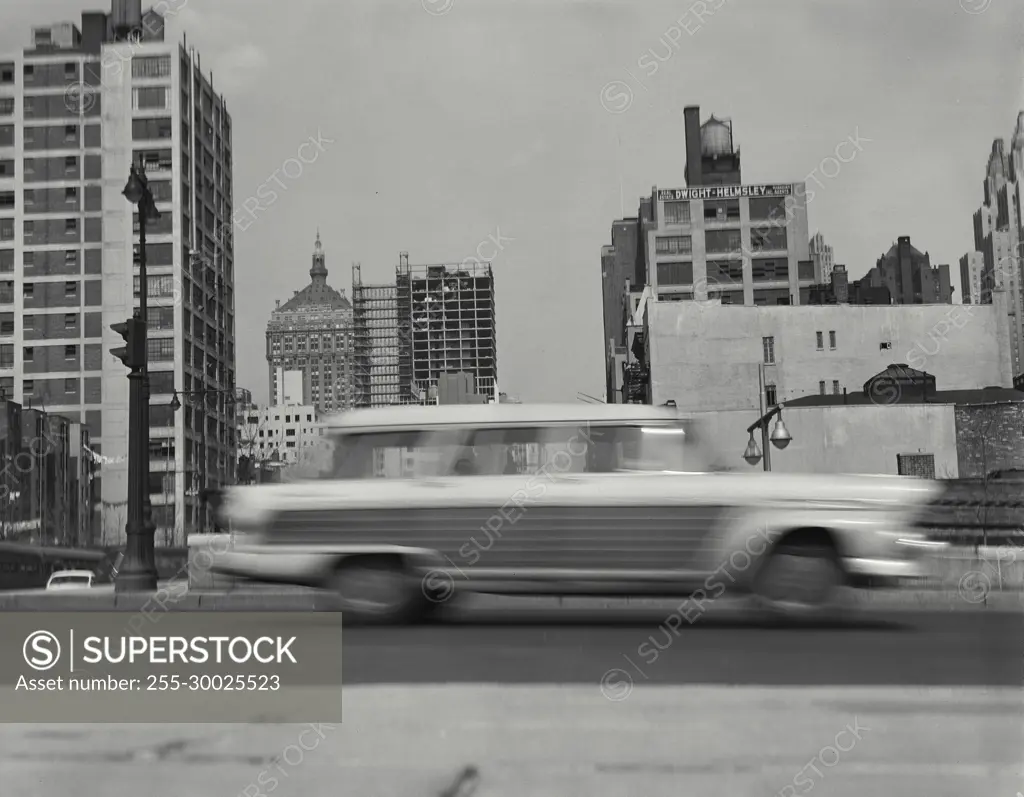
column 705, row 356
column 312, row 333
column 972, row 274
column 47, row 490
column 997, row 235
column 77, row 108
column 283, row 434
column 823, row 258
column 910, row 277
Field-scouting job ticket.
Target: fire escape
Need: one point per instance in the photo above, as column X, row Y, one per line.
column 636, row 374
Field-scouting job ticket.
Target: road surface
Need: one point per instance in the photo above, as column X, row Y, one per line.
column 569, row 703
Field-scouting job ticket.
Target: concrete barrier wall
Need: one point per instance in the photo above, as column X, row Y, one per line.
column 992, row 568
column 203, row 550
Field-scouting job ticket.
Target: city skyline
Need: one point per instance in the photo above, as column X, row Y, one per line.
column 450, row 158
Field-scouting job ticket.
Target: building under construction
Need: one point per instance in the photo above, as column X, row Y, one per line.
column 375, row 330
column 435, row 319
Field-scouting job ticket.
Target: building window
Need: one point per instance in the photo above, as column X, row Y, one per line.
column 6, row 200
column 70, row 352
column 832, row 339
column 151, row 128
column 835, row 387
column 151, row 66
column 28, row 289
column 6, row 106
column 150, row 98
column 821, row 340
column 673, row 245
column 821, row 387
column 28, row 387
column 770, row 208
column 69, row 320
column 768, row 344
column 70, row 288
column 721, row 242
column 768, row 239
column 6, row 168
column 675, row 273
column 7, row 355
column 721, row 210
column 6, row 229
column 677, row 212
column 920, row 465
column 70, row 257
column 30, row 354
column 769, row 270
column 770, row 397
column 70, row 194
column 70, row 225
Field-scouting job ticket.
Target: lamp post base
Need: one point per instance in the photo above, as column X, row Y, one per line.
column 138, row 570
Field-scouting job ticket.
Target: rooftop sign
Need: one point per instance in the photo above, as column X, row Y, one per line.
column 725, row 192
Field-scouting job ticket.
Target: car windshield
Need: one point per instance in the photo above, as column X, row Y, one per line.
column 605, row 448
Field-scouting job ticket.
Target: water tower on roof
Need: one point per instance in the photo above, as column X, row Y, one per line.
column 711, row 157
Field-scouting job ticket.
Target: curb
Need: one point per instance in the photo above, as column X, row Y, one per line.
column 311, row 600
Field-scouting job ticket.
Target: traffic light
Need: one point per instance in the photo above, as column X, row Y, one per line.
column 133, row 353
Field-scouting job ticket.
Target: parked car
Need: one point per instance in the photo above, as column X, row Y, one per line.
column 419, row 503
column 71, row 579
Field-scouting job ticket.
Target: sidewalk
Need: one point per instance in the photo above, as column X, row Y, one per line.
column 554, row 741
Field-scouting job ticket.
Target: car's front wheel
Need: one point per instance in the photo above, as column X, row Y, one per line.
column 802, row 578
column 376, row 590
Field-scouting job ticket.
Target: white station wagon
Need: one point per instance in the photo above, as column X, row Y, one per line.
column 418, row 503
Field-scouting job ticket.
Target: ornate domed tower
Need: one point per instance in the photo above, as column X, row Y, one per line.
column 312, row 333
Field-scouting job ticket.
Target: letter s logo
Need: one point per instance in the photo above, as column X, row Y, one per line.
column 41, row 650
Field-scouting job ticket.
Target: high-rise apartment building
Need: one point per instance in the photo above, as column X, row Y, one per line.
column 78, row 107
column 822, row 257
column 312, row 333
column 434, row 320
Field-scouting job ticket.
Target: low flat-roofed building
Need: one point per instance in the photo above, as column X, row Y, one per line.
column 944, row 434
column 705, row 355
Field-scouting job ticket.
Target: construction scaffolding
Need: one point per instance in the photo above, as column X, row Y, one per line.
column 447, row 314
column 376, row 343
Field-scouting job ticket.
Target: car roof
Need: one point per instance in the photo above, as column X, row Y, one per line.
column 416, row 416
column 77, row 573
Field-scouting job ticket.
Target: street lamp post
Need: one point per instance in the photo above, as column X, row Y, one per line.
column 780, row 436
column 138, row 572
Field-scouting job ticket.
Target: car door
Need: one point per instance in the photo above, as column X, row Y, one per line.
column 642, row 518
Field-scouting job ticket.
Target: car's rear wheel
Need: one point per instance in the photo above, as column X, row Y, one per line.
column 376, row 590
column 802, row 578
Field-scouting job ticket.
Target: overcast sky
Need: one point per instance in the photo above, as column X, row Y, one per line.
column 456, row 120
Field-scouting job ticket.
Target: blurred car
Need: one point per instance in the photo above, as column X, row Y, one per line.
column 582, row 499
column 71, row 579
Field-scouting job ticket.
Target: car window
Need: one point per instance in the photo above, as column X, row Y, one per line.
column 70, row 579
column 495, row 451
